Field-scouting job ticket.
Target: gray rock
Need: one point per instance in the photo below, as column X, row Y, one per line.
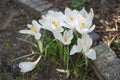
column 36, row 1
column 46, row 11
column 38, row 5
column 43, row 7
column 54, row 9
column 94, row 36
column 27, row 2
column 107, row 63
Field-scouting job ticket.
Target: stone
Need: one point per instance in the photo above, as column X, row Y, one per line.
column 54, row 9
column 36, row 1
column 46, row 11
column 28, row 3
column 107, row 63
column 94, row 36
column 43, row 7
column 39, row 3
column 24, row 1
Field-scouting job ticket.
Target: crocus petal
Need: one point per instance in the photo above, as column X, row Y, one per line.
column 36, row 24
column 57, row 35
column 91, row 54
column 43, row 22
column 87, row 40
column 70, row 34
column 65, row 38
column 83, row 12
column 37, row 36
column 53, row 22
column 67, row 10
column 51, row 13
column 90, row 15
column 83, row 31
column 26, row 32
column 88, row 24
column 92, row 28
column 26, row 66
column 75, row 49
column 71, row 18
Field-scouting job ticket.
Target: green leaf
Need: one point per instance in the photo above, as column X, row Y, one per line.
column 50, row 43
column 117, row 44
column 85, row 77
column 81, row 64
column 80, row 35
column 77, row 5
column 24, row 56
column 88, row 0
column 85, row 1
column 8, row 47
column 24, row 40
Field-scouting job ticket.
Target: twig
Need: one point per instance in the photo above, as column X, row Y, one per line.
column 110, row 42
column 116, row 25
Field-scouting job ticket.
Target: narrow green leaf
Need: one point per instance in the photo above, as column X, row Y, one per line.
column 85, row 77
column 24, row 40
column 82, row 64
column 49, row 44
column 8, row 47
column 24, row 56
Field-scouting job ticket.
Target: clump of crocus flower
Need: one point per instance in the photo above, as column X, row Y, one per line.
column 65, row 27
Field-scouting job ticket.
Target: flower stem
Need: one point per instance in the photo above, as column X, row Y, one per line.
column 64, row 54
column 38, row 59
column 86, row 62
column 67, row 51
column 40, row 45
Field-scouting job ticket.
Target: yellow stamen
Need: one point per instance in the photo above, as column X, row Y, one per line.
column 54, row 23
column 84, row 17
column 32, row 28
column 71, row 18
column 44, row 20
column 65, row 39
column 83, row 25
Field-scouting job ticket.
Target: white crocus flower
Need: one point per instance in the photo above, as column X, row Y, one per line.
column 71, row 18
column 55, row 13
column 53, row 21
column 28, row 66
column 84, row 44
column 34, row 30
column 85, row 26
column 65, row 38
column 54, row 24
column 43, row 21
column 85, row 14
column 85, row 21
